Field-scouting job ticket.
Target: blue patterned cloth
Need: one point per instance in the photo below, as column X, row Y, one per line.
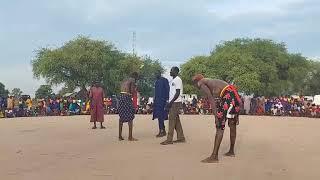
column 125, row 109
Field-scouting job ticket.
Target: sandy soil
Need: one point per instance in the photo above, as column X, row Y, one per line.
column 66, row 148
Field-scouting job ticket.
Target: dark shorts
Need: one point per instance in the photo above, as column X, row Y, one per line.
column 228, row 108
column 126, row 110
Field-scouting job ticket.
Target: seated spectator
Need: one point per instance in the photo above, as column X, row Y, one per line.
column 63, row 107
column 2, row 107
column 313, row 111
column 40, row 108
column 74, row 108
column 83, row 110
column 9, row 113
column 307, row 109
column 49, row 111
column 274, row 110
column 318, row 111
column 194, row 102
column 260, row 107
column 55, row 107
column 148, row 109
column 20, row 112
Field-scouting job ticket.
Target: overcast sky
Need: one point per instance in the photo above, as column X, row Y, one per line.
column 171, row 31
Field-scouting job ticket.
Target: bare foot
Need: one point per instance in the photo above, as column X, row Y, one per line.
column 230, row 154
column 210, row 160
column 121, row 138
column 102, row 127
column 94, row 127
column 132, row 139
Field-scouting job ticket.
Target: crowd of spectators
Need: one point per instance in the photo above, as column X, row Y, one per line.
column 65, row 106
column 281, row 106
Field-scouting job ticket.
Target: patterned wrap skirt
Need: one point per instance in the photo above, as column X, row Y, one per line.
column 126, row 109
column 228, row 106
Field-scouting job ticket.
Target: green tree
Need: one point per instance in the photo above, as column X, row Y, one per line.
column 121, row 70
column 196, row 65
column 312, row 84
column 3, row 91
column 81, row 61
column 258, row 66
column 148, row 76
column 44, row 91
column 16, row 92
column 298, row 71
column 78, row 63
column 236, row 67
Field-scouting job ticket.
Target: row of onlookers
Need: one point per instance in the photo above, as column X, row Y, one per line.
column 27, row 107
column 279, row 106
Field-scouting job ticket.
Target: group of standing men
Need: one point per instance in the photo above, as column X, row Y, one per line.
column 223, row 97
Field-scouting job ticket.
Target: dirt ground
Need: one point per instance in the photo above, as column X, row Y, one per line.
column 66, row 148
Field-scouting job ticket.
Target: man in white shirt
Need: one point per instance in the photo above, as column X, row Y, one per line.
column 174, row 105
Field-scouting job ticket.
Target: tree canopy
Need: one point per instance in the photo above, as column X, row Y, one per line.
column 16, row 92
column 258, row 66
column 3, row 91
column 81, row 61
column 44, row 91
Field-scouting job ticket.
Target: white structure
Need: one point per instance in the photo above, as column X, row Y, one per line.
column 316, row 100
column 188, row 97
column 150, row 100
column 308, row 98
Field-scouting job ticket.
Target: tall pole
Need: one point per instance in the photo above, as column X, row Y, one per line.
column 134, row 43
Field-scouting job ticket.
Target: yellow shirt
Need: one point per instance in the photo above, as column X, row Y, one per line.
column 88, row 106
column 29, row 103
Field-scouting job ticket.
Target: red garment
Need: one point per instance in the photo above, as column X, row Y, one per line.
column 135, row 100
column 234, row 89
column 97, row 112
column 109, row 102
column 228, row 107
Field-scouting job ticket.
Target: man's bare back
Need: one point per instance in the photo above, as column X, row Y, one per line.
column 126, row 109
column 213, row 88
column 215, row 85
column 128, row 86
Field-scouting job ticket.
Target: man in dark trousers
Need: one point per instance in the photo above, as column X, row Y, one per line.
column 161, row 96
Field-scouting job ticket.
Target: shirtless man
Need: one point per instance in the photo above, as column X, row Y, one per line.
column 225, row 102
column 126, row 110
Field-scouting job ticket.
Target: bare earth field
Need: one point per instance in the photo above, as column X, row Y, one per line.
column 66, row 148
